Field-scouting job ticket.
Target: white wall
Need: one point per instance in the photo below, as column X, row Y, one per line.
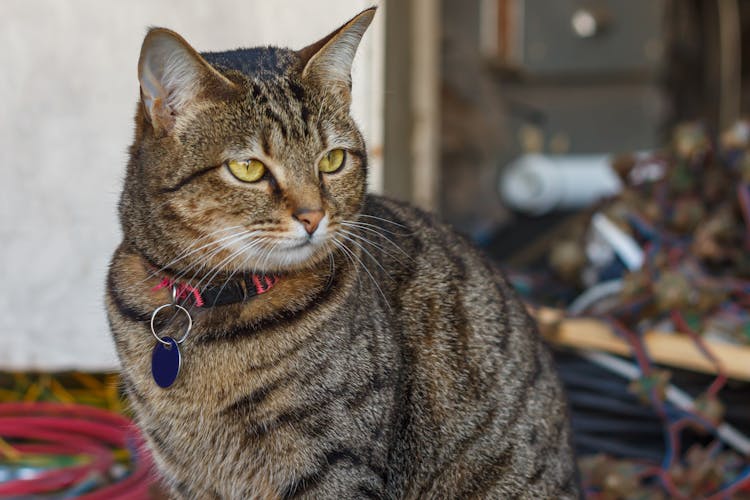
column 68, row 89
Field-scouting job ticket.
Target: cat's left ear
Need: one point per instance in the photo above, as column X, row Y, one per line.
column 328, row 61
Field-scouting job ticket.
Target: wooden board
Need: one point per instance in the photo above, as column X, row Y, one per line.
column 663, row 347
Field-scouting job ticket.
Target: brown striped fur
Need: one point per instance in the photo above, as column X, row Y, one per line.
column 400, row 365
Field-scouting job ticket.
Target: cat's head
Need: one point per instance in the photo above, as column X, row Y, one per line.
column 247, row 159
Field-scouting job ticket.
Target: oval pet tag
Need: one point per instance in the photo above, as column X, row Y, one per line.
column 165, row 362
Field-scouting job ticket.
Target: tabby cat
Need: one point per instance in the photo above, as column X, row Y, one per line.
column 343, row 345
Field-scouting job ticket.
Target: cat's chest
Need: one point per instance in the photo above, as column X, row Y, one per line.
column 223, row 454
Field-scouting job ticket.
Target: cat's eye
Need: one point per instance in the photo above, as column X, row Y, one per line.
column 247, row 170
column 331, row 161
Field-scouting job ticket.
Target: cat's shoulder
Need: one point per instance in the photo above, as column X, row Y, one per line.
column 394, row 214
column 397, row 212
column 417, row 230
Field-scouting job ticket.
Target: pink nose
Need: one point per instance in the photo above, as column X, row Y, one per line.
column 310, row 218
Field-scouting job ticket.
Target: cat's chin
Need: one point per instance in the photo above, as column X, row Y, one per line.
column 292, row 259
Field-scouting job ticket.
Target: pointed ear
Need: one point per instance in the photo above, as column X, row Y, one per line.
column 329, row 61
column 172, row 75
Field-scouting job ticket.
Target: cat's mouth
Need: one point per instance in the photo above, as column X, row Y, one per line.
column 301, row 244
column 288, row 254
column 300, row 240
column 252, row 250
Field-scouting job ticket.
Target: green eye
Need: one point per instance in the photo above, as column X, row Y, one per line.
column 331, row 161
column 247, row 170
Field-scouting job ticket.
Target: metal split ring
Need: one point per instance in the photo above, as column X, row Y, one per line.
column 187, row 332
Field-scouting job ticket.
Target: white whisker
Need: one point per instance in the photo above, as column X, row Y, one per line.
column 364, row 266
column 344, row 233
column 383, row 220
column 373, row 243
column 201, row 263
column 218, row 268
column 189, row 253
column 345, row 253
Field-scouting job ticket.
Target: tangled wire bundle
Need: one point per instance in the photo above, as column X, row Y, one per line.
column 684, row 217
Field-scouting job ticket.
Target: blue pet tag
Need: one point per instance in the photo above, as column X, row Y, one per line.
column 166, row 358
column 165, row 362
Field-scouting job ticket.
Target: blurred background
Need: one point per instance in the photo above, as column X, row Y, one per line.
column 596, row 149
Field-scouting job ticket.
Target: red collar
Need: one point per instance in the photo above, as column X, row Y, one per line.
column 231, row 292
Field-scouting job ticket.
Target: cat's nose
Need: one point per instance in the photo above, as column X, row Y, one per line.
column 310, row 218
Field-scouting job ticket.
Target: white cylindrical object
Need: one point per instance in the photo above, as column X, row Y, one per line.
column 622, row 243
column 538, row 184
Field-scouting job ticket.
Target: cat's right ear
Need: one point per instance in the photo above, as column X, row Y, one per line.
column 172, row 75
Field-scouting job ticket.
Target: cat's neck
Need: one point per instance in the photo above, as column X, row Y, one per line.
column 141, row 287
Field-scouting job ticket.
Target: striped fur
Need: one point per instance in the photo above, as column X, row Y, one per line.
column 397, row 363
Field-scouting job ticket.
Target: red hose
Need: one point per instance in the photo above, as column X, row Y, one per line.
column 69, row 429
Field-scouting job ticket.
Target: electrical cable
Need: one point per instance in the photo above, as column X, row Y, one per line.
column 593, row 295
column 676, row 396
